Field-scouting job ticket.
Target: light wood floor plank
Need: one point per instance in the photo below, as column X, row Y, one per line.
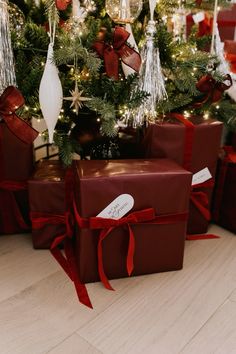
column 218, row 336
column 20, row 265
column 74, row 345
column 164, row 311
column 43, row 315
column 233, row 297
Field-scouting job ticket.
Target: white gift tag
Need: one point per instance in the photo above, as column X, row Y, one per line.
column 199, row 17
column 201, row 176
column 118, row 208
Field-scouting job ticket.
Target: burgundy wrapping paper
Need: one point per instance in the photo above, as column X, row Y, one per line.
column 167, row 140
column 47, row 195
column 227, row 23
column 160, row 184
column 224, row 210
column 16, row 164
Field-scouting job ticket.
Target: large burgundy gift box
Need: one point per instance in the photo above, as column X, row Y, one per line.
column 194, row 144
column 153, row 231
column 224, row 206
column 47, row 203
column 16, row 164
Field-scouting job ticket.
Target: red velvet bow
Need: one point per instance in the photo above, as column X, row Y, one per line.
column 10, row 101
column 118, row 50
column 200, row 199
column 212, row 89
column 67, row 262
column 12, row 220
column 108, row 225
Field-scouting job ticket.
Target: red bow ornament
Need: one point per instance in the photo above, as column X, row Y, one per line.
column 111, row 53
column 10, row 101
column 212, row 89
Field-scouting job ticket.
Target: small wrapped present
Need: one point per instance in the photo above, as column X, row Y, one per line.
column 16, row 163
column 230, row 54
column 47, row 203
column 193, row 143
column 141, row 234
column 227, row 22
column 224, row 205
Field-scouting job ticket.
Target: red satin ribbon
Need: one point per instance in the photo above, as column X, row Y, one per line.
column 189, row 135
column 212, row 89
column 67, row 261
column 13, row 221
column 146, row 216
column 200, row 198
column 10, row 101
column 118, row 50
column 201, row 237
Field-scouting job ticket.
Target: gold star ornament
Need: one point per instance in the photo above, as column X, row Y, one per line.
column 77, row 98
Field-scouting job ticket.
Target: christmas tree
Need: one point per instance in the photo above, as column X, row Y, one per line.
column 98, row 48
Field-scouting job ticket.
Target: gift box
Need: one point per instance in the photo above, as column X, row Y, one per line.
column 47, row 203
column 16, row 164
column 224, row 204
column 230, row 54
column 227, row 23
column 153, row 231
column 194, row 144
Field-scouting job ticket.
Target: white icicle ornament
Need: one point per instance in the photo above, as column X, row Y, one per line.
column 50, row 94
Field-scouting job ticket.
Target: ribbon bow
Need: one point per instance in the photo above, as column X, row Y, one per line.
column 107, row 226
column 212, row 89
column 111, row 53
column 200, row 198
column 10, row 101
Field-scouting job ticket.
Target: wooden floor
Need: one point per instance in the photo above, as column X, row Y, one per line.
column 188, row 311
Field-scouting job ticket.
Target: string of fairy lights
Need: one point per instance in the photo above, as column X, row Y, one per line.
column 17, row 21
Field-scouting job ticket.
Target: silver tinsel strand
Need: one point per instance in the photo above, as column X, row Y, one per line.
column 151, row 79
column 7, row 71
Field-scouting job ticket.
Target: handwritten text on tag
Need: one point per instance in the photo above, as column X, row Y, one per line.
column 118, row 208
column 201, row 176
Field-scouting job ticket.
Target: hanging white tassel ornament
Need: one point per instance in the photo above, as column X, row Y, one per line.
column 50, row 94
column 151, row 78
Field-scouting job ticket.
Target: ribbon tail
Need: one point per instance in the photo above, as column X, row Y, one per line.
column 80, row 288
column 201, row 237
column 202, row 208
column 102, row 275
column 58, row 255
column 131, row 249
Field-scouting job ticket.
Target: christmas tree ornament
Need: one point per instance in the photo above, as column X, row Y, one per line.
column 7, row 71
column 118, row 50
column 125, row 12
column 217, row 48
column 77, row 98
column 179, row 22
column 50, row 90
column 151, row 78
